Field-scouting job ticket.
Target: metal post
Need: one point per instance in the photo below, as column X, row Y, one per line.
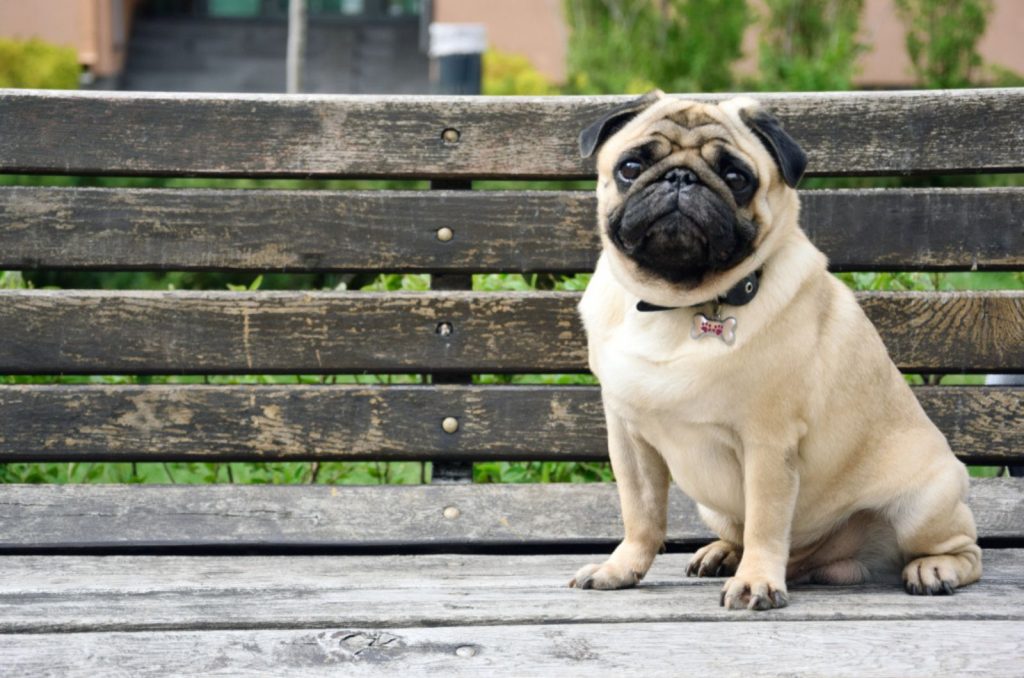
column 457, row 50
column 296, row 46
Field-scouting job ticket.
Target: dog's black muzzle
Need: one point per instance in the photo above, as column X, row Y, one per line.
column 680, row 229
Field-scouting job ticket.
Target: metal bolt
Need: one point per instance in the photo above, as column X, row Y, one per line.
column 444, row 234
column 451, row 513
column 465, row 651
column 450, row 424
column 444, row 329
column 450, row 135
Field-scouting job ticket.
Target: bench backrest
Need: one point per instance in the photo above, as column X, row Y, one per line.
column 449, row 332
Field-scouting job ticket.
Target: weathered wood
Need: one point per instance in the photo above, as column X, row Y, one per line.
column 916, row 229
column 127, row 229
column 850, row 133
column 75, row 594
column 167, row 517
column 86, row 331
column 263, row 423
column 856, row 649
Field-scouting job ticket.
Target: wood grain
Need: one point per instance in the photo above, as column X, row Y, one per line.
column 849, row 133
column 257, row 230
column 83, row 594
column 74, row 331
column 862, row 649
column 101, row 517
column 264, row 423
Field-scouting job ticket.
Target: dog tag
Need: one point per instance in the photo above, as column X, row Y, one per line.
column 724, row 329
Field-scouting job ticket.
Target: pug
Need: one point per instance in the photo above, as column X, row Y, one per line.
column 733, row 363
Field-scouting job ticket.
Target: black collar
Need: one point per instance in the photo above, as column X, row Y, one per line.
column 739, row 294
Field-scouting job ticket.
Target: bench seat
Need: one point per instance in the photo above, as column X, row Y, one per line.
column 460, row 615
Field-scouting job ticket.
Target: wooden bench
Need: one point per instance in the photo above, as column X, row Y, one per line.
column 456, row 578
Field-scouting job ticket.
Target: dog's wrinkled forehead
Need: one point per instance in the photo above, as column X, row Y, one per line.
column 687, row 127
column 680, row 124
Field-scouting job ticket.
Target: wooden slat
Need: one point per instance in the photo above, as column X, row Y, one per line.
column 76, row 331
column 128, row 229
column 264, row 423
column 83, row 594
column 917, row 229
column 315, row 136
column 862, row 649
column 315, row 516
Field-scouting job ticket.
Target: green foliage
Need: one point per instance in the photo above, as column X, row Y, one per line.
column 631, row 46
column 13, row 280
column 506, row 74
column 942, row 39
column 37, row 64
column 541, row 472
column 809, row 45
column 191, row 473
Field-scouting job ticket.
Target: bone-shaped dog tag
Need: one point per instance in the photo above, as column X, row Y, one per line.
column 724, row 329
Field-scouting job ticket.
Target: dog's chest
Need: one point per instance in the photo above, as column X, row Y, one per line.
column 651, row 368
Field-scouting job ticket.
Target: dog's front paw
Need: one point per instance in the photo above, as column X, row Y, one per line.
column 717, row 559
column 605, row 576
column 754, row 593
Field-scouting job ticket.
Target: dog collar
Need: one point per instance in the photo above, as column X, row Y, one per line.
column 740, row 294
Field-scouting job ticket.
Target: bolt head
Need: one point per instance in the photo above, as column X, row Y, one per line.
column 450, row 424
column 444, row 234
column 451, row 512
column 450, row 135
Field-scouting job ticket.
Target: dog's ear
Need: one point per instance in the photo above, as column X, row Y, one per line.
column 790, row 158
column 596, row 134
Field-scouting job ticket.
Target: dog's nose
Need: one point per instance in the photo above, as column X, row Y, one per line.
column 681, row 176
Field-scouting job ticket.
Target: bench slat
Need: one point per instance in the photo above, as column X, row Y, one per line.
column 290, row 423
column 852, row 133
column 190, row 229
column 861, row 649
column 86, row 332
column 84, row 594
column 103, row 517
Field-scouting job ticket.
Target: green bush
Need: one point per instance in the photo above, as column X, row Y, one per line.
column 809, row 45
column 942, row 39
column 37, row 64
column 631, row 46
column 507, row 74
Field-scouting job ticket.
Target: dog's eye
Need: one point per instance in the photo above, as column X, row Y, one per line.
column 630, row 170
column 735, row 180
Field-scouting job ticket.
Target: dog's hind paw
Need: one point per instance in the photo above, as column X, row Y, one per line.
column 717, row 559
column 931, row 576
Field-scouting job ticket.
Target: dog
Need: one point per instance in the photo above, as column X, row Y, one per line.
column 733, row 363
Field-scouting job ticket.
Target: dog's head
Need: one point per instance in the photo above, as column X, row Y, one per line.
column 691, row 196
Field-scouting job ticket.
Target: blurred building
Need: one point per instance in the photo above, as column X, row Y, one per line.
column 372, row 46
column 361, row 46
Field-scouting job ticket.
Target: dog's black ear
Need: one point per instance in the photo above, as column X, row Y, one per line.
column 790, row 158
column 596, row 134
